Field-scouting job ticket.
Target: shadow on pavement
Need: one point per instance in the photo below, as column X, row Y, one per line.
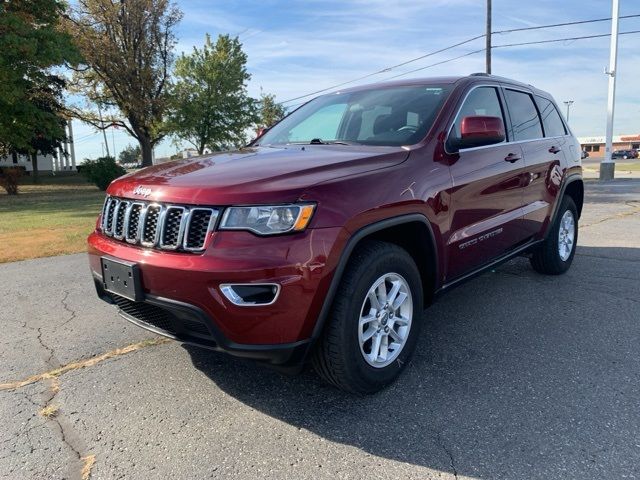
column 516, row 375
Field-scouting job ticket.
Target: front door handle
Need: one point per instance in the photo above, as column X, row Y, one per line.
column 554, row 149
column 512, row 157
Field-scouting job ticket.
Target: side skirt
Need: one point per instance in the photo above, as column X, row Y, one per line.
column 499, row 261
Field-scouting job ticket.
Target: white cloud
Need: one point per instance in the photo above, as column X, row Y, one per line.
column 301, row 46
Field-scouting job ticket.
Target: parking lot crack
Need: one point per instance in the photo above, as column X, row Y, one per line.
column 70, row 311
column 81, row 364
column 446, row 450
column 50, row 360
column 634, row 205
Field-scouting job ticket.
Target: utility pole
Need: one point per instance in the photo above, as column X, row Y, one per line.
column 568, row 103
column 488, row 38
column 113, row 142
column 104, row 134
column 608, row 166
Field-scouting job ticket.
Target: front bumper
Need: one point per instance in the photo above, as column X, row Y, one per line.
column 182, row 291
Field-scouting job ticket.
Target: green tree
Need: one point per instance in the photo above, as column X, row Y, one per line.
column 32, row 42
column 130, row 154
column 210, row 105
column 269, row 111
column 127, row 47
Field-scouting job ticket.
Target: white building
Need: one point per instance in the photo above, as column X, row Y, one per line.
column 64, row 160
column 45, row 163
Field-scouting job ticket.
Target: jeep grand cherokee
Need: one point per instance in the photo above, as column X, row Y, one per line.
column 327, row 236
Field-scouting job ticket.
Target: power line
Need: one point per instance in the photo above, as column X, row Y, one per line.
column 568, row 39
column 468, row 54
column 387, row 69
column 511, row 45
column 565, row 24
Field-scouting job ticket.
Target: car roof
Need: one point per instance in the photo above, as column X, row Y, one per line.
column 474, row 78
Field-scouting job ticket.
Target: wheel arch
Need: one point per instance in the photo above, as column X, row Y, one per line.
column 575, row 189
column 413, row 232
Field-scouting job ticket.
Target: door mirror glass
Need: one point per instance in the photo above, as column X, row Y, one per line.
column 479, row 130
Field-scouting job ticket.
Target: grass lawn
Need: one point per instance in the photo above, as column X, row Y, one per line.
column 52, row 218
column 621, row 166
column 628, row 167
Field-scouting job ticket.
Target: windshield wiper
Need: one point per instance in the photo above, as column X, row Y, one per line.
column 319, row 141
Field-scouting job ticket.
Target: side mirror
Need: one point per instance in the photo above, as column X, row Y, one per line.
column 476, row 131
column 584, row 154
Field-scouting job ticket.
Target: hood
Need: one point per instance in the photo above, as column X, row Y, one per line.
column 252, row 175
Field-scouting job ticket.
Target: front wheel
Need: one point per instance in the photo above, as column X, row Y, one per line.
column 374, row 322
column 556, row 253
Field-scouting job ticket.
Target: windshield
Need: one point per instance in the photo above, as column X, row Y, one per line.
column 391, row 116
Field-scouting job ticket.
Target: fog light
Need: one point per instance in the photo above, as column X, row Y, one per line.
column 250, row 294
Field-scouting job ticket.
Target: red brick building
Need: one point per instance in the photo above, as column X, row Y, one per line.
column 594, row 146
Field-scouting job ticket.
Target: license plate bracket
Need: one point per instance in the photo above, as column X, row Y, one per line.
column 122, row 278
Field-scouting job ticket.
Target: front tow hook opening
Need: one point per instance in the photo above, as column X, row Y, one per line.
column 251, row 294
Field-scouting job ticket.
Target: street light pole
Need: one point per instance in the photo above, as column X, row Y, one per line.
column 568, row 103
column 607, row 166
column 488, row 39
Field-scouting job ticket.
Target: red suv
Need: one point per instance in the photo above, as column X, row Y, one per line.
column 327, row 236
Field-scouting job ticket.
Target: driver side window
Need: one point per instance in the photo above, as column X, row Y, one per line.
column 481, row 101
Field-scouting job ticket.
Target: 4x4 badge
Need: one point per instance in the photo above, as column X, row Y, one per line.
column 140, row 190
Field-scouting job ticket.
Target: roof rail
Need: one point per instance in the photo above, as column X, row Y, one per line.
column 480, row 74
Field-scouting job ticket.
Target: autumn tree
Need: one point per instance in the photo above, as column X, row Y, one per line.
column 269, row 111
column 127, row 47
column 210, row 104
column 32, row 43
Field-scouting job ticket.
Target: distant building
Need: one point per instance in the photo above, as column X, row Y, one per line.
column 45, row 162
column 63, row 160
column 594, row 146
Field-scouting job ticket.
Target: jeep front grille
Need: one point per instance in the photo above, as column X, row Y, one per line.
column 156, row 225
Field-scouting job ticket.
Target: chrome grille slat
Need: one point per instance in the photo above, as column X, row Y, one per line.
column 131, row 222
column 119, row 219
column 200, row 222
column 157, row 225
column 151, row 226
column 173, row 227
column 110, row 210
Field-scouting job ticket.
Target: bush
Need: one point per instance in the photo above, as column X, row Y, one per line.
column 9, row 179
column 102, row 171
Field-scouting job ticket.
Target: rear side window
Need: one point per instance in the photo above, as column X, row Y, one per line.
column 525, row 122
column 481, row 101
column 553, row 124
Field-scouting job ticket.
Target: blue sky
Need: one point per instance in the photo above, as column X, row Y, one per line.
column 296, row 47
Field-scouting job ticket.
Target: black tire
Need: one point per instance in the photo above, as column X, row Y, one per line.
column 546, row 258
column 338, row 358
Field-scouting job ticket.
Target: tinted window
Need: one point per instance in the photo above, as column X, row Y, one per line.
column 525, row 122
column 481, row 101
column 391, row 116
column 553, row 125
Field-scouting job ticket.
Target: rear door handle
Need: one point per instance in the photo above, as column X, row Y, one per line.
column 512, row 157
column 554, row 149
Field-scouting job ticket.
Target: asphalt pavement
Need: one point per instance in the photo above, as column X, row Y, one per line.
column 516, row 376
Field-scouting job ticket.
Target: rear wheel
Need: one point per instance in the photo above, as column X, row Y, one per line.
column 375, row 320
column 556, row 253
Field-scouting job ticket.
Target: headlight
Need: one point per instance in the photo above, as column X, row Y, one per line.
column 268, row 220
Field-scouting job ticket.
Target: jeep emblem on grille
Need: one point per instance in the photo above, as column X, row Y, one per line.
column 144, row 191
